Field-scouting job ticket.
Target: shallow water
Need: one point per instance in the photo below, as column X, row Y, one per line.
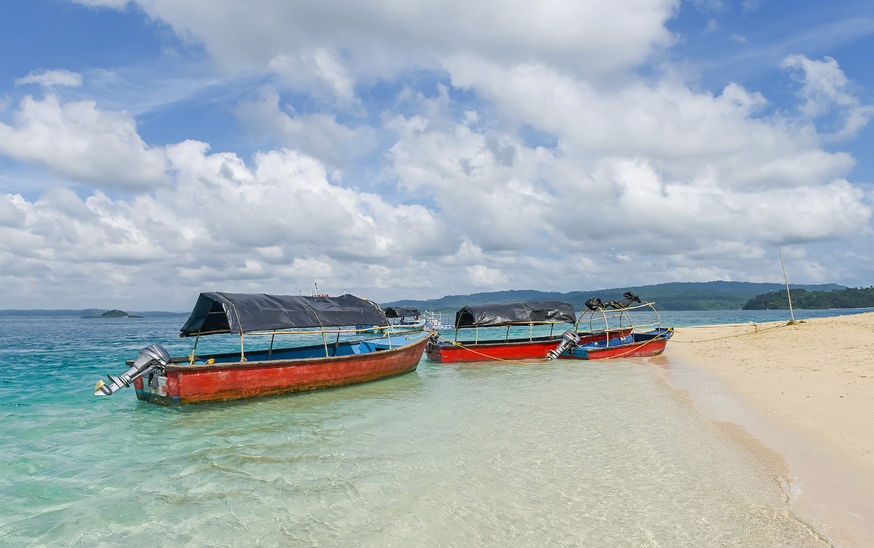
column 554, row 453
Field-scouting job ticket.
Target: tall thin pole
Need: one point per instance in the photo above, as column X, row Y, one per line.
column 786, row 279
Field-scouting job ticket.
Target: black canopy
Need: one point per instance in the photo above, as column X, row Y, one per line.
column 400, row 312
column 513, row 313
column 244, row 312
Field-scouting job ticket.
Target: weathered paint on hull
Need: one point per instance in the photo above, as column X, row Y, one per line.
column 512, row 350
column 642, row 349
column 186, row 384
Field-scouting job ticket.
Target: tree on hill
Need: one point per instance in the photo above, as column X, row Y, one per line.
column 801, row 298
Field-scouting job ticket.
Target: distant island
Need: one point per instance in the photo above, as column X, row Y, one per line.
column 801, row 298
column 115, row 313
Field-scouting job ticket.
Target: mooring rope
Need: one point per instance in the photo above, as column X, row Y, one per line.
column 637, row 347
column 756, row 330
column 458, row 344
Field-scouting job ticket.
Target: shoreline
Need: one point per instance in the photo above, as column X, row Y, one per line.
column 803, row 391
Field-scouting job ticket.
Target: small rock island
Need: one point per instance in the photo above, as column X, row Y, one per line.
column 115, row 313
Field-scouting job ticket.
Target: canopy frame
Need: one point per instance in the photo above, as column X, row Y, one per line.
column 520, row 313
column 263, row 314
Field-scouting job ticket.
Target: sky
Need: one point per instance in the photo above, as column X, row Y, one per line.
column 154, row 149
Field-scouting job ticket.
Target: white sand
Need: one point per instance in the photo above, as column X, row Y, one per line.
column 811, row 388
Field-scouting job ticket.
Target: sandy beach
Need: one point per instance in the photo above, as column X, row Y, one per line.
column 805, row 391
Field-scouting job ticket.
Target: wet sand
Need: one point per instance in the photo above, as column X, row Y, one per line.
column 806, row 392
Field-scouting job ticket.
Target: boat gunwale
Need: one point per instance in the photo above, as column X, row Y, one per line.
column 281, row 362
column 658, row 345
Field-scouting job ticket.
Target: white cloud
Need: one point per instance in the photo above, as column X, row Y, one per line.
column 49, row 78
column 592, row 36
column 10, row 214
column 482, row 276
column 82, row 142
column 315, row 70
column 640, row 181
column 661, row 173
column 316, row 134
column 684, row 134
column 826, row 89
column 749, row 6
column 273, row 226
column 487, row 187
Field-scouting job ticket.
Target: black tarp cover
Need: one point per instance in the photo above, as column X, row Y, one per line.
column 245, row 312
column 400, row 312
column 522, row 312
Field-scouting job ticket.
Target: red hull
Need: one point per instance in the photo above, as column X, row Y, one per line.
column 185, row 384
column 518, row 350
column 642, row 349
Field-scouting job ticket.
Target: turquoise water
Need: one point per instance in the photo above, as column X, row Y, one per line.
column 552, row 453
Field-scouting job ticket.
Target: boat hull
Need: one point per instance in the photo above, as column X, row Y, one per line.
column 445, row 352
column 638, row 345
column 184, row 383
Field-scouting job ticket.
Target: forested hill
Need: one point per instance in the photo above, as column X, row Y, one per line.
column 717, row 295
column 844, row 298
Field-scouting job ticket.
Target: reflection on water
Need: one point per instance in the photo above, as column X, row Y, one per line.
column 543, row 453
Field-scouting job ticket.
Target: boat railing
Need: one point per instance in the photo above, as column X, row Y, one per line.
column 313, row 331
column 530, row 326
column 620, row 318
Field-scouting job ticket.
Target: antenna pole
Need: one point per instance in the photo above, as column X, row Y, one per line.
column 786, row 279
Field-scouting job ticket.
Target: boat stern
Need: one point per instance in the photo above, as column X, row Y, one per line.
column 162, row 389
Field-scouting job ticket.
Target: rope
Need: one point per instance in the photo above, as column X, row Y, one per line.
column 641, row 345
column 757, row 330
column 458, row 344
column 634, row 349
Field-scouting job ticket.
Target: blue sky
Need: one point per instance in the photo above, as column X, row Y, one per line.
column 151, row 149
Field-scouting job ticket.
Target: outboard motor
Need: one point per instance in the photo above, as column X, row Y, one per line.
column 569, row 341
column 151, row 357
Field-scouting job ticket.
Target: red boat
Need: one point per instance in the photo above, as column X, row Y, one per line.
column 520, row 314
column 510, row 349
column 160, row 379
